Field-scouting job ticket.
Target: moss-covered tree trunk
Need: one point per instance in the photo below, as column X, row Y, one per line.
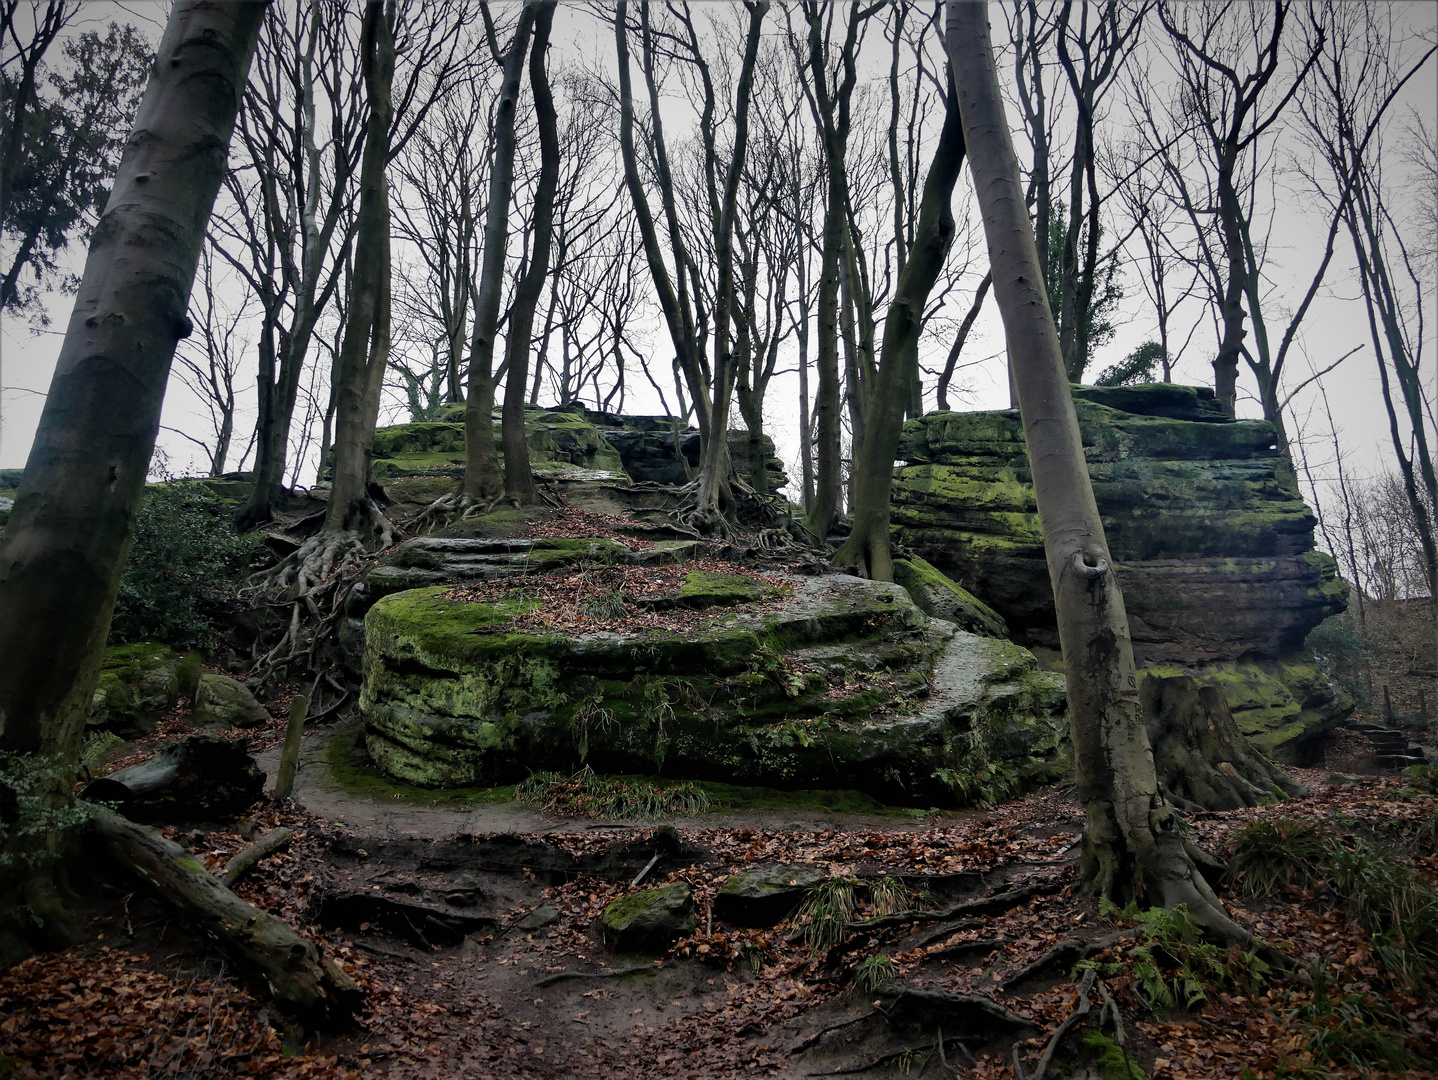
column 68, row 534
column 1132, row 845
column 868, row 545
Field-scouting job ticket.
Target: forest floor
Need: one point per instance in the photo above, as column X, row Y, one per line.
column 454, row 985
column 455, row 911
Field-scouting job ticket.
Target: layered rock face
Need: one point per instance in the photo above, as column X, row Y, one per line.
column 774, row 680
column 1213, row 543
column 569, row 443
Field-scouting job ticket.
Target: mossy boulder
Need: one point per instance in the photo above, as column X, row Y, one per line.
column 649, row 921
column 939, row 596
column 1213, row 541
column 223, row 702
column 138, row 684
column 563, row 445
column 821, row 682
column 763, row 895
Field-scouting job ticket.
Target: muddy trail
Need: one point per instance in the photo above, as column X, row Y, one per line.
column 475, row 933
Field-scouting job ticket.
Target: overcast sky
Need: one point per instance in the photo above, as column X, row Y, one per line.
column 1336, row 325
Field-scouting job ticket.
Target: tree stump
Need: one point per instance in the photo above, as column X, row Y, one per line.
column 1203, row 760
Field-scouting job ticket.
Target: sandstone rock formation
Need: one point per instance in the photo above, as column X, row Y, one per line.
column 1213, row 543
column 776, row 679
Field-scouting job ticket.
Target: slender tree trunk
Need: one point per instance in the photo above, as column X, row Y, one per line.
column 365, row 350
column 868, row 545
column 947, row 376
column 714, row 493
column 518, row 479
column 481, row 463
column 1132, row 845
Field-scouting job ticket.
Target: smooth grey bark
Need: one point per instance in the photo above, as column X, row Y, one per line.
column 70, row 529
column 1132, row 844
column 518, row 479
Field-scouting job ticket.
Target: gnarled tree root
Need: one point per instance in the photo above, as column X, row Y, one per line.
column 300, row 977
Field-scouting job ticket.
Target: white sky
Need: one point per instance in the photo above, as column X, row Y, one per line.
column 1336, row 324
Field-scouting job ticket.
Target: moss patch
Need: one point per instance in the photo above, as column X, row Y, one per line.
column 351, row 769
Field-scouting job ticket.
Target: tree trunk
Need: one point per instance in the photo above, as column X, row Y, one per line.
column 518, row 479
column 294, row 969
column 481, row 463
column 365, row 351
column 1203, row 760
column 714, row 492
column 961, row 338
column 1132, row 845
column 70, row 528
column 868, row 545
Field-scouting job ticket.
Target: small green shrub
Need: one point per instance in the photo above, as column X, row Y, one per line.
column 608, row 608
column 987, row 785
column 1355, row 1030
column 823, row 919
column 37, row 807
column 1344, row 648
column 1174, row 966
column 1396, row 903
column 873, row 972
column 1274, row 854
column 184, row 563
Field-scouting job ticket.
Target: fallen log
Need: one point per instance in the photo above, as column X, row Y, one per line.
column 262, row 848
column 198, row 778
column 299, row 976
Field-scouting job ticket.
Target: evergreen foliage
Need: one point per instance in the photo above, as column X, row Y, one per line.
column 184, row 563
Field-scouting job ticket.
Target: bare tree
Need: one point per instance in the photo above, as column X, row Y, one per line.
column 1231, row 62
column 209, row 364
column 1132, row 842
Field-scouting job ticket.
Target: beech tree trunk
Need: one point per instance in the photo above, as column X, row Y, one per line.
column 518, row 479
column 1132, row 844
column 70, row 529
column 1203, row 760
column 365, row 351
column 868, row 546
column 481, row 463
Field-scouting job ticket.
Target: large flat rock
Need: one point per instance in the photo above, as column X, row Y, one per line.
column 834, row 682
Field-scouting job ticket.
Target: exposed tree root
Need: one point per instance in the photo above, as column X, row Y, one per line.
column 311, row 585
column 448, row 509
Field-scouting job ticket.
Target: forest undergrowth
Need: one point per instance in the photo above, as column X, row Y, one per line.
column 1342, row 881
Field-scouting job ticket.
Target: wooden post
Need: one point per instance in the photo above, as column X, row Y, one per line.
column 1387, row 705
column 290, row 753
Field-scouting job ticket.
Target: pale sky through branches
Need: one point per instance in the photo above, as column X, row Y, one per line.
column 1288, row 212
